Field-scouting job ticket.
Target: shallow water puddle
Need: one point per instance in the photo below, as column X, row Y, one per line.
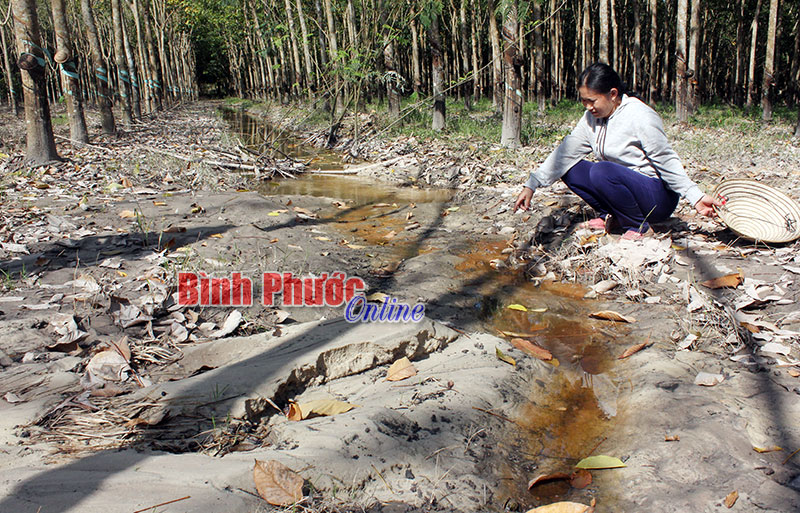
column 564, row 417
column 262, row 137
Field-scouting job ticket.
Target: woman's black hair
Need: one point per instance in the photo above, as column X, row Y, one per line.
column 602, row 78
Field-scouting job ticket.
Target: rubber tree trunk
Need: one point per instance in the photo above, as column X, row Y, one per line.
column 751, row 70
column 12, row 94
column 769, row 63
column 512, row 108
column 681, row 99
column 131, row 59
column 637, row 47
column 392, row 77
column 416, row 74
column 653, row 79
column 306, row 50
column 738, row 85
column 603, row 20
column 144, row 80
column 41, row 147
column 437, row 73
column 122, row 67
column 69, row 72
column 694, row 41
column 538, row 57
column 467, row 86
column 497, row 60
column 100, row 72
column 154, row 86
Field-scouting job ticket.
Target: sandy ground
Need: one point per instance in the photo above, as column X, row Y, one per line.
column 468, row 431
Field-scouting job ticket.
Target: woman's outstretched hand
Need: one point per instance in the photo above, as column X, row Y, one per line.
column 705, row 206
column 524, row 199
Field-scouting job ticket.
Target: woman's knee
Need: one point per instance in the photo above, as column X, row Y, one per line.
column 605, row 172
column 578, row 174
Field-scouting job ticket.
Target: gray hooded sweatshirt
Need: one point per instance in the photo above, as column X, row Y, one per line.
column 632, row 136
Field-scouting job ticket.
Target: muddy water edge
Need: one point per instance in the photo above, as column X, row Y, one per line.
column 560, row 418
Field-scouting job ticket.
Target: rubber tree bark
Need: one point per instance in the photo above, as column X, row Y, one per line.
column 306, row 50
column 437, row 73
column 692, row 63
column 100, row 72
column 653, row 80
column 466, row 87
column 154, row 85
column 131, row 59
column 512, row 63
column 122, row 67
column 603, row 20
column 41, row 146
column 751, row 70
column 681, row 99
column 769, row 63
column 69, row 71
column 497, row 60
column 12, row 94
column 538, row 57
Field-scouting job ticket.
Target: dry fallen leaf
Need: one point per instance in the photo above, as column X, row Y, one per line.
column 276, row 483
column 504, row 357
column 730, row 500
column 706, row 379
column 546, row 478
column 633, row 349
column 672, row 438
column 532, row 349
column 580, row 479
column 323, row 407
column 400, row 370
column 729, row 281
column 127, row 214
column 563, row 507
column 794, row 373
column 519, row 308
column 391, row 235
column 771, row 448
column 610, row 315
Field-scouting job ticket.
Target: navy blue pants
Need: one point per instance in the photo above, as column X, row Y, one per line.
column 632, row 198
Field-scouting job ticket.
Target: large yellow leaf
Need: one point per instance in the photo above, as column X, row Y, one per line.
column 504, row 357
column 730, row 500
column 276, row 483
column 401, row 369
column 602, row 461
column 517, row 307
column 323, row 407
column 563, row 507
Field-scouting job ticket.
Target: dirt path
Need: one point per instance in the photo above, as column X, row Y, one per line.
column 92, row 250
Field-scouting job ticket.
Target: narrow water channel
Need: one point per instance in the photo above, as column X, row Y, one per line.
column 564, row 419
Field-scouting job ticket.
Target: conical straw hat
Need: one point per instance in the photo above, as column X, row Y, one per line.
column 758, row 212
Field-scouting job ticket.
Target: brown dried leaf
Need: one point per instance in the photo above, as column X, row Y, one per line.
column 794, row 373
column 127, row 214
column 580, row 479
column 729, row 281
column 672, row 438
column 633, row 350
column 391, row 235
column 400, row 370
column 563, row 507
column 323, row 407
column 546, row 478
column 610, row 315
column 532, row 349
column 730, row 500
column 276, row 483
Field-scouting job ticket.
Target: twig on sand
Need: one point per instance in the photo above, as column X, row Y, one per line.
column 382, row 479
column 163, row 504
column 790, row 456
column 495, row 414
